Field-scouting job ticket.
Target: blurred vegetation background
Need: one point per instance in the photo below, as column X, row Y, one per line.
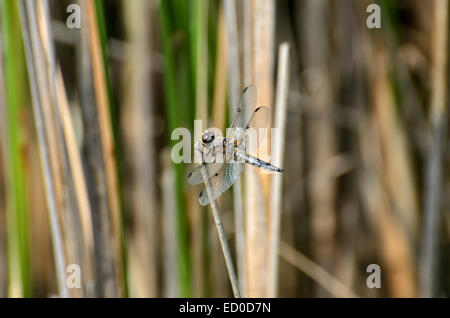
column 86, row 177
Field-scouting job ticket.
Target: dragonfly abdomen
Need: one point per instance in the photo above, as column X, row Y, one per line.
column 244, row 157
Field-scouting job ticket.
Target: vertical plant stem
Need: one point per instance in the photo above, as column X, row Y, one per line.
column 93, row 157
column 234, row 83
column 277, row 159
column 142, row 204
column 201, row 30
column 173, row 115
column 222, row 235
column 199, row 45
column 17, row 204
column 234, row 89
column 104, row 117
column 57, row 240
column 3, row 175
column 171, row 278
column 221, row 73
column 316, row 57
column 54, row 134
column 393, row 164
column 257, row 182
column 247, row 43
column 79, row 183
column 61, row 106
column 430, row 255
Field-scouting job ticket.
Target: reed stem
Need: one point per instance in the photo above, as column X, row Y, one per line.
column 222, row 235
column 434, row 161
column 277, row 159
column 57, row 239
column 315, row 272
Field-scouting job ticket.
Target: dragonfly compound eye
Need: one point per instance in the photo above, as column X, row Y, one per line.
column 208, row 137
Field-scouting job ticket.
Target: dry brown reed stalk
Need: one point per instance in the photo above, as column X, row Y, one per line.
column 315, row 272
column 221, row 73
column 234, row 82
column 256, row 183
column 218, row 120
column 201, row 87
column 263, row 60
column 142, row 201
column 439, row 51
column 281, row 102
column 93, row 163
column 64, row 188
column 400, row 59
column 234, row 89
column 240, row 235
column 247, row 43
column 44, row 54
column 61, row 105
column 104, row 121
column 28, row 24
column 221, row 233
column 397, row 167
column 43, row 271
column 79, row 185
column 263, row 51
column 247, row 77
column 170, row 286
column 196, row 237
column 321, row 145
column 386, row 156
column 52, row 128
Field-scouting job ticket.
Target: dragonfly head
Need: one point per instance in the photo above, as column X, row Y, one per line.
column 208, row 137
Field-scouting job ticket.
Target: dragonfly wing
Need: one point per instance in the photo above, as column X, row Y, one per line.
column 246, row 117
column 248, row 101
column 195, row 176
column 258, row 118
column 251, row 136
column 212, row 159
column 221, row 181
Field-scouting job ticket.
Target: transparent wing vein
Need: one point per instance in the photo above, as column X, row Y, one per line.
column 221, row 182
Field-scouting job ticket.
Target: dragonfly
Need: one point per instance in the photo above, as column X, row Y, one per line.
column 224, row 158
